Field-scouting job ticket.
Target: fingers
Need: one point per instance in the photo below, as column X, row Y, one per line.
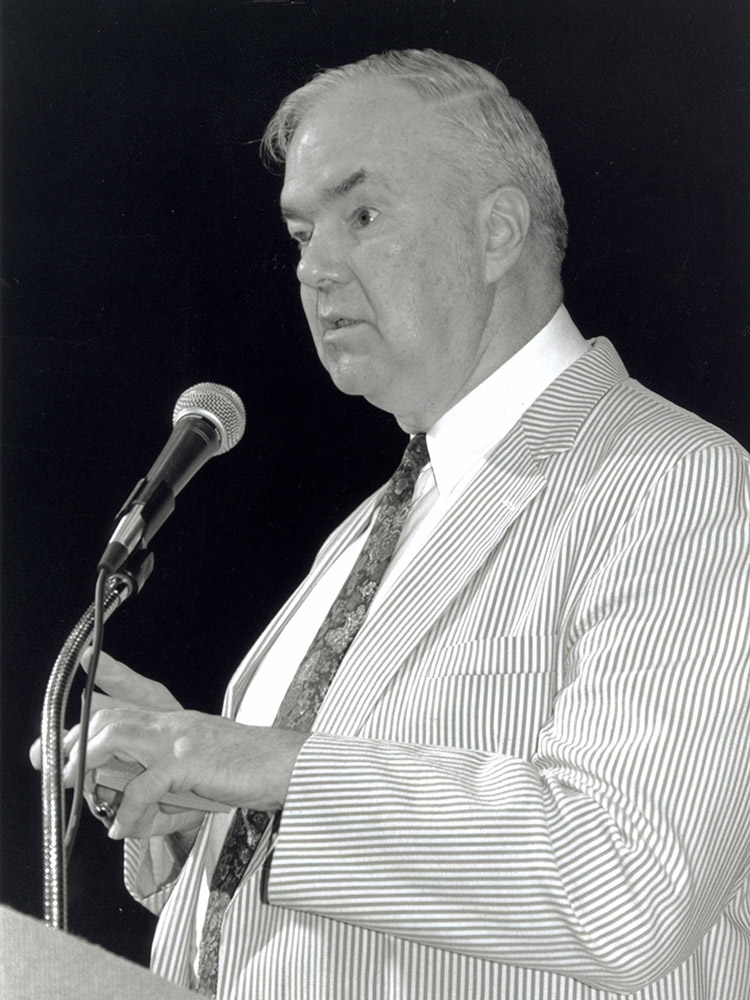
column 124, row 684
column 102, row 802
column 70, row 739
column 124, row 689
column 71, row 749
column 139, row 810
column 116, row 732
column 142, row 817
column 35, row 753
column 98, row 702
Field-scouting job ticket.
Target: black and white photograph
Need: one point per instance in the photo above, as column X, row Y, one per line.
column 375, row 500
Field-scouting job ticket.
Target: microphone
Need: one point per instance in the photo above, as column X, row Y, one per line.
column 208, row 420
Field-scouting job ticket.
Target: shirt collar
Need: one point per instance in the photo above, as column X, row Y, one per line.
column 479, row 421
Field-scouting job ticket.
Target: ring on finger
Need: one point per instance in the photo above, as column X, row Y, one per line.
column 106, row 809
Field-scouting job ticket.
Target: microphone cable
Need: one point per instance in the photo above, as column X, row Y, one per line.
column 97, row 639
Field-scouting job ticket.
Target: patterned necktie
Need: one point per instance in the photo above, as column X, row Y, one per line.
column 308, row 688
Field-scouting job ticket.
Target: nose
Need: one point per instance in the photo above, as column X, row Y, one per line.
column 322, row 262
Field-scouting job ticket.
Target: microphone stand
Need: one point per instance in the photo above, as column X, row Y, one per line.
column 127, row 581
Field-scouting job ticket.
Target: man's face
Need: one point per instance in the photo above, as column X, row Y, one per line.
column 391, row 258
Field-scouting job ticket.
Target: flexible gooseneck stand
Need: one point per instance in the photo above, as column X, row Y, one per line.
column 117, row 589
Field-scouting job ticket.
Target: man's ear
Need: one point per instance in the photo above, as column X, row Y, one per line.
column 507, row 219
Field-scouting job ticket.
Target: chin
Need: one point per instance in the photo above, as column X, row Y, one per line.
column 351, row 377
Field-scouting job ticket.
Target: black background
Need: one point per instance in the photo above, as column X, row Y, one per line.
column 143, row 253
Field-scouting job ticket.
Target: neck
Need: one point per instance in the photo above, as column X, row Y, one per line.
column 512, row 322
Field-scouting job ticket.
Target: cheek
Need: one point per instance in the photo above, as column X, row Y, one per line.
column 433, row 266
column 407, row 279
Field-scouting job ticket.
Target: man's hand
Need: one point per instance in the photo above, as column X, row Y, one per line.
column 181, row 751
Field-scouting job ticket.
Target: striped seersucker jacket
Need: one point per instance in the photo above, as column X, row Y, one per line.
column 529, row 778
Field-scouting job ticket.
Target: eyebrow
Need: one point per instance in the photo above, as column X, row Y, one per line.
column 339, row 190
column 332, row 193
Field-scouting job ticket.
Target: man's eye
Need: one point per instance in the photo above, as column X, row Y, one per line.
column 364, row 217
column 301, row 237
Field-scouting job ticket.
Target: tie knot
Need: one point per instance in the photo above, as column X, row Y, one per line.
column 405, row 477
column 415, row 457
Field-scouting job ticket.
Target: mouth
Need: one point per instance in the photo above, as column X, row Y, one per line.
column 333, row 322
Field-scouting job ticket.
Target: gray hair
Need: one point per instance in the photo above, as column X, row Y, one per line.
column 497, row 139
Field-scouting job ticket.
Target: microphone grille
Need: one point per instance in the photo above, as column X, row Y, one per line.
column 219, row 404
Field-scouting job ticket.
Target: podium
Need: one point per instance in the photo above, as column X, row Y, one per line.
column 40, row 963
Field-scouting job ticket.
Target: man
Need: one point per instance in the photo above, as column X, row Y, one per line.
column 528, row 773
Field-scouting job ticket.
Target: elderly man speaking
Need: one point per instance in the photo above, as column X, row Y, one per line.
column 496, row 745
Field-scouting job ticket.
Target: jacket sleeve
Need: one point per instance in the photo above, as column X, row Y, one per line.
column 610, row 853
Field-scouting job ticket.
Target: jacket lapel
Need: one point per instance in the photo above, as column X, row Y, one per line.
column 503, row 487
column 500, row 491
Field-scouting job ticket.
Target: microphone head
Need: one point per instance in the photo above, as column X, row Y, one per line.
column 222, row 406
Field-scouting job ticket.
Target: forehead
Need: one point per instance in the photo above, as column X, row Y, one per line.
column 373, row 127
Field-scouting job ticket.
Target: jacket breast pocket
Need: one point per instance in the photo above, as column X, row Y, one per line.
column 493, row 693
column 500, row 655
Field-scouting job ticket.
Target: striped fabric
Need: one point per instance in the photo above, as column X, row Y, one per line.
column 308, row 688
column 529, row 778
